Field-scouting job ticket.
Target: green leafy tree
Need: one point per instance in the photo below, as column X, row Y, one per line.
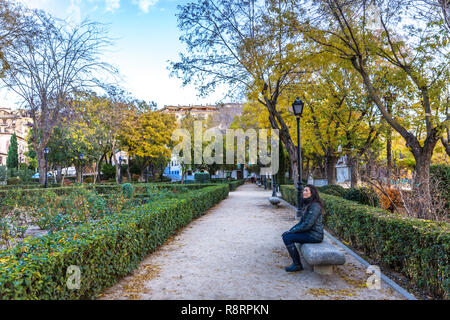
column 418, row 52
column 13, row 155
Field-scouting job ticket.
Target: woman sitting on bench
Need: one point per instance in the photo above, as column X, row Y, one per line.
column 308, row 230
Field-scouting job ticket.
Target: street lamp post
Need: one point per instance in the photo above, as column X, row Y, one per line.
column 120, row 169
column 46, row 151
column 274, row 186
column 81, row 160
column 297, row 107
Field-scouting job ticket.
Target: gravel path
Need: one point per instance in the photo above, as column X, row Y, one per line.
column 235, row 251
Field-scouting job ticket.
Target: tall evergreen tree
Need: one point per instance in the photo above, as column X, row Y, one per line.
column 13, row 154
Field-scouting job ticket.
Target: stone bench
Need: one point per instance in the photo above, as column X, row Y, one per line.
column 320, row 257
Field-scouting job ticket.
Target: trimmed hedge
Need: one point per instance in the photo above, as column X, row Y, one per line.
column 22, row 196
column 333, row 189
column 202, row 177
column 417, row 248
column 105, row 250
column 363, row 195
column 234, row 184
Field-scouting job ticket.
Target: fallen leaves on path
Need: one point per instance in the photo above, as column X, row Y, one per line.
column 337, row 294
column 135, row 286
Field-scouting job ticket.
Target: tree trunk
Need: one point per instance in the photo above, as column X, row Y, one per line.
column 183, row 172
column 142, row 175
column 41, row 163
column 331, row 161
column 389, row 148
column 59, row 173
column 129, row 173
column 99, row 167
column 78, row 173
column 353, row 163
column 389, row 158
column 278, row 123
column 116, row 162
column 62, row 178
column 294, row 171
column 307, row 169
column 421, row 185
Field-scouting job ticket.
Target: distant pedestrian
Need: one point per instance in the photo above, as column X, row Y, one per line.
column 308, row 230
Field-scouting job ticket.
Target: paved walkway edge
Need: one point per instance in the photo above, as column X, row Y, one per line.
column 391, row 283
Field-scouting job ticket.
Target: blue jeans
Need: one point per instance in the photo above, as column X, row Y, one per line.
column 302, row 237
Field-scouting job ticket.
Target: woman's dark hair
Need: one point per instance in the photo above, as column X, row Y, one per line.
column 315, row 196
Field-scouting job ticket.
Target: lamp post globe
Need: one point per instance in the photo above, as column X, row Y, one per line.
column 46, row 151
column 297, row 108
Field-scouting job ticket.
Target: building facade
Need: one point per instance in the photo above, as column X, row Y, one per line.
column 13, row 121
column 200, row 112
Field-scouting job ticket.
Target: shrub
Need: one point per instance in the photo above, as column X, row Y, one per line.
column 104, row 250
column 234, row 184
column 108, row 171
column 202, row 177
column 88, row 179
column 127, row 190
column 363, row 195
column 154, row 193
column 79, row 206
column 13, row 181
column 3, row 173
column 333, row 189
column 391, row 200
column 25, row 174
column 419, row 249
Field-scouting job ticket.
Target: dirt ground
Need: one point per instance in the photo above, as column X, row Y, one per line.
column 235, row 251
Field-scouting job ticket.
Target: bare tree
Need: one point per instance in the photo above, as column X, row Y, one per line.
column 246, row 45
column 13, row 25
column 48, row 68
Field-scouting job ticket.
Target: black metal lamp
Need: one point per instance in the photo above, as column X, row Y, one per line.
column 297, row 108
column 46, row 152
column 120, row 169
column 81, row 160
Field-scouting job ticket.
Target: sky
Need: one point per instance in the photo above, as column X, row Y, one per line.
column 146, row 37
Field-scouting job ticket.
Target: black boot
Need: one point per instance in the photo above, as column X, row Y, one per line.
column 297, row 265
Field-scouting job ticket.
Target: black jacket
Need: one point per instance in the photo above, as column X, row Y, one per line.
column 310, row 222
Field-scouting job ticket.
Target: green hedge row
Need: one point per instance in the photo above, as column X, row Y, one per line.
column 362, row 195
column 21, row 196
column 28, row 186
column 104, row 250
column 419, row 249
column 234, row 184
